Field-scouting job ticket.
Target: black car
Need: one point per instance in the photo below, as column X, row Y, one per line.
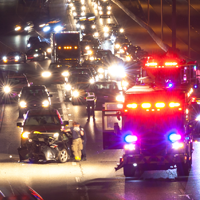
column 106, row 91
column 33, row 40
column 14, row 57
column 33, row 97
column 36, row 54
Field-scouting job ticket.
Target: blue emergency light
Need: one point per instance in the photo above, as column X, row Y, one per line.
column 130, row 138
column 174, row 137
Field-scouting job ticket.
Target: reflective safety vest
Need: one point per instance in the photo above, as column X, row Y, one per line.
column 90, row 96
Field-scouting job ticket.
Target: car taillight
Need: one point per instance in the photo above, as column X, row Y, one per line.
column 193, row 99
column 171, row 63
column 146, row 105
column 151, row 64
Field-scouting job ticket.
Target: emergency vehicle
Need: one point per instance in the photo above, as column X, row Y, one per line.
column 153, row 125
column 151, row 128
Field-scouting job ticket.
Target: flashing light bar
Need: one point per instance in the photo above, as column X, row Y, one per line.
column 146, row 105
column 129, row 147
column 174, row 104
column 171, row 63
column 160, row 105
column 130, row 138
column 151, row 64
column 133, row 105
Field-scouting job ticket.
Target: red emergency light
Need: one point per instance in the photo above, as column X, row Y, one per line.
column 151, row 64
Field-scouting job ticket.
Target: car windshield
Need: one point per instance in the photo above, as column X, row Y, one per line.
column 42, row 120
column 78, row 79
column 15, row 81
column 106, row 86
column 81, row 71
column 34, row 92
column 13, row 54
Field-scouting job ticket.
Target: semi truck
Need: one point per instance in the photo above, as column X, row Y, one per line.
column 65, row 47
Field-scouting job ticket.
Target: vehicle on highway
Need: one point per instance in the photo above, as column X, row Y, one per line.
column 65, row 47
column 41, row 120
column 12, row 83
column 24, row 28
column 151, row 130
column 36, row 54
column 87, row 27
column 104, row 8
column 122, row 42
column 14, row 57
column 33, row 97
column 106, row 91
column 78, row 10
column 46, row 146
column 76, row 87
column 33, row 40
column 43, row 46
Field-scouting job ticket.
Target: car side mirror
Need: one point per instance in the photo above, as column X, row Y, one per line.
column 50, row 95
column 66, row 123
column 19, row 124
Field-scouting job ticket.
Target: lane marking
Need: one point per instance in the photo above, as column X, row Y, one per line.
column 77, row 179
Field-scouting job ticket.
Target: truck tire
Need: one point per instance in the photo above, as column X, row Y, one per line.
column 129, row 170
column 183, row 169
column 63, row 156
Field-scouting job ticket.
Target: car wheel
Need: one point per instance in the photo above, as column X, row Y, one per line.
column 129, row 170
column 63, row 156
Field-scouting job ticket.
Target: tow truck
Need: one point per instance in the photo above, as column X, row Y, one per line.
column 152, row 125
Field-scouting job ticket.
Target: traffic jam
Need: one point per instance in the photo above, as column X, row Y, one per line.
column 148, row 103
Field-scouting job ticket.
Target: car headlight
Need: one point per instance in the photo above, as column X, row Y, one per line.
column 120, row 98
column 66, row 73
column 100, row 8
column 87, row 47
column 83, row 8
column 93, row 26
column 128, row 58
column 117, row 46
column 117, row 71
column 22, row 104
column 106, row 29
column 35, row 55
column 27, row 28
column 48, row 50
column 45, row 103
column 82, row 27
column 17, row 58
column 25, row 134
column 6, row 89
column 78, row 25
column 106, row 34
column 83, row 13
column 18, row 28
column 89, row 52
column 28, row 45
column 46, row 28
column 46, row 74
column 108, row 12
column 56, row 135
column 124, row 83
column 121, row 30
column 74, row 14
column 101, row 76
column 5, row 59
column 109, row 7
column 100, row 12
column 101, row 70
column 58, row 28
column 91, row 58
column 96, row 34
column 92, row 81
column 68, row 87
column 121, row 51
column 75, row 93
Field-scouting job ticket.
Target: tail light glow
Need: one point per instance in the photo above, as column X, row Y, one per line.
column 151, row 64
column 171, row 63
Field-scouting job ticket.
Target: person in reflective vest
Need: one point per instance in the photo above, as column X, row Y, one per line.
column 90, row 99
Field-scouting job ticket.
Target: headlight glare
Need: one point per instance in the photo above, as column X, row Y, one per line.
column 22, row 104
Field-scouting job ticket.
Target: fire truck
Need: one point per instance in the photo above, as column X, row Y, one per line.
column 153, row 125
